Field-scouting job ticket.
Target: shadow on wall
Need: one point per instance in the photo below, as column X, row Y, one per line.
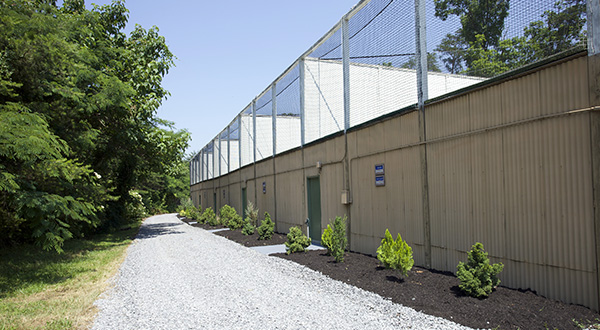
column 158, row 229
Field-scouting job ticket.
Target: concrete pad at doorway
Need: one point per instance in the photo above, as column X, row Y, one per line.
column 216, row 230
column 280, row 248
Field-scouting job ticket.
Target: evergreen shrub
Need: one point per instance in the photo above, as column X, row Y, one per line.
column 230, row 218
column 326, row 238
column 296, row 241
column 477, row 277
column 339, row 241
column 248, row 228
column 209, row 217
column 267, row 228
column 251, row 213
column 395, row 254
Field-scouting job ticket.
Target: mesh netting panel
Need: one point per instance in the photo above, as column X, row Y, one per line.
column 246, row 136
column 224, row 152
column 288, row 111
column 264, row 126
column 382, row 70
column 234, row 145
column 217, row 157
column 323, row 89
column 209, row 151
column 498, row 36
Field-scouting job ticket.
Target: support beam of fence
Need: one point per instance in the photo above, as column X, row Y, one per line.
column 254, row 130
column 346, row 72
column 239, row 119
column 593, row 28
column 422, row 92
column 301, row 67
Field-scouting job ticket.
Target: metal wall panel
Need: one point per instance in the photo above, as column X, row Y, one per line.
column 521, row 98
column 289, row 200
column 564, row 87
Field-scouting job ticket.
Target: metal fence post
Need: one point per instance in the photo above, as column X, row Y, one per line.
column 220, row 154
column 229, row 149
column 254, row 128
column 302, row 102
column 274, row 116
column 593, row 29
column 239, row 140
column 346, row 72
column 274, row 121
column 422, row 89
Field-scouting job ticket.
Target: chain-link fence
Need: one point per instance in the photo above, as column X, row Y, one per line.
column 367, row 66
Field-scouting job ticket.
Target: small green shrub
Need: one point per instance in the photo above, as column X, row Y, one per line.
column 326, row 238
column 230, row 218
column 193, row 213
column 209, row 217
column 266, row 229
column 339, row 241
column 185, row 203
column 235, row 222
column 251, row 213
column 296, row 241
column 248, row 228
column 395, row 254
column 477, row 277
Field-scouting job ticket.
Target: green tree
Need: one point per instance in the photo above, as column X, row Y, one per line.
column 78, row 101
column 452, row 50
column 559, row 30
column 432, row 65
column 476, row 48
column 485, row 17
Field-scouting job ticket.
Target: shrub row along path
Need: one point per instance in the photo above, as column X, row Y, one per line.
column 176, row 276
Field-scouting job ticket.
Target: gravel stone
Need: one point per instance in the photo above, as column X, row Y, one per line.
column 177, row 276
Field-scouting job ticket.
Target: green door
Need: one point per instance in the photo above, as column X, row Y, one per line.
column 215, row 203
column 244, row 203
column 314, row 209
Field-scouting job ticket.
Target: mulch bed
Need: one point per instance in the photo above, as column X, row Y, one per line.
column 434, row 292
column 237, row 236
column 437, row 293
column 251, row 240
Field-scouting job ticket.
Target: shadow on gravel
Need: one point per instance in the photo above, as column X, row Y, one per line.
column 158, row 229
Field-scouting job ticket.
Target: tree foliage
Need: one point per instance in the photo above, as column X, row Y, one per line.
column 81, row 147
column 477, row 48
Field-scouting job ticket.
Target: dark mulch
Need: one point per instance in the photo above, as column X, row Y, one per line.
column 237, row 236
column 251, row 240
column 437, row 293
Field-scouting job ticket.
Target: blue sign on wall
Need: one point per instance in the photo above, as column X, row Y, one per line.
column 379, row 169
column 380, row 180
column 264, row 187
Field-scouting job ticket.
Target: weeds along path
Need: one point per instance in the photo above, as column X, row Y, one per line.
column 180, row 277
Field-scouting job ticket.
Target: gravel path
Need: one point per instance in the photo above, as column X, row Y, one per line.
column 180, row 277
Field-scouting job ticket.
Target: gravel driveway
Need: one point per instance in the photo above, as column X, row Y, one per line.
column 180, row 277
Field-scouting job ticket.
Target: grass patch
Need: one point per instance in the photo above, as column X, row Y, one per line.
column 45, row 290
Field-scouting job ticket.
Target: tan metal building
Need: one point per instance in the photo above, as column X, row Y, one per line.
column 512, row 163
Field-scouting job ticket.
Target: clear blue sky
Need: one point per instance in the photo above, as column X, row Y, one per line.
column 228, row 52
